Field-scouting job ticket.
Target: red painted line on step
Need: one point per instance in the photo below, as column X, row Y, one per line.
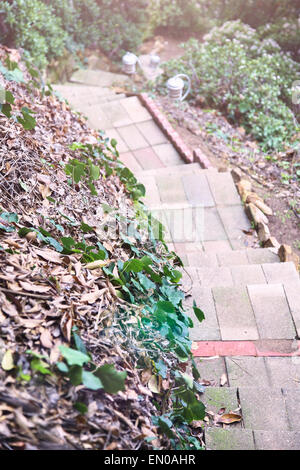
column 261, row 348
column 166, row 127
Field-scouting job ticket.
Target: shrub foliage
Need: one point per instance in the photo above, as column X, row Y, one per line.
column 249, row 80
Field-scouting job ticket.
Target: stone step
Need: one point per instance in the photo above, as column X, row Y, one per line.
column 261, row 408
column 206, row 188
column 195, row 255
column 238, row 308
column 185, row 168
column 77, row 93
column 218, row 438
column 82, row 100
column 187, row 223
column 98, row 78
column 270, row 417
column 269, row 371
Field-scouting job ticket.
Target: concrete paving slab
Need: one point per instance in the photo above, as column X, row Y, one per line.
column 234, row 220
column 135, row 109
column 130, row 161
column 167, row 154
column 263, row 408
column 261, row 256
column 213, row 228
column 248, row 274
column 152, row 197
column 152, row 133
column 211, row 369
column 132, row 137
column 247, row 371
column 215, row 276
column 216, row 398
column 116, row 114
column 208, row 329
column 292, row 403
column 113, row 134
column 171, row 189
column 277, row 440
column 235, row 314
column 98, row 78
column 201, row 259
column 223, row 189
column 218, row 246
column 188, row 247
column 229, row 439
column 271, row 311
column 231, row 258
column 282, row 273
column 197, row 190
column 171, row 170
column 284, row 371
column 148, row 159
column 292, row 292
column 97, row 119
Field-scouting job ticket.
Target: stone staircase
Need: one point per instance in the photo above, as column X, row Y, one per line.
column 247, row 348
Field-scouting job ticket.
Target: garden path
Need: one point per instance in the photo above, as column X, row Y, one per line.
column 247, row 348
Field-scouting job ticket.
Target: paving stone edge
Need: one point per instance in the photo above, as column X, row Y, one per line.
column 167, row 128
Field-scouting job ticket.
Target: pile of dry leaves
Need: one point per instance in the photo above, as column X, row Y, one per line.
column 44, row 294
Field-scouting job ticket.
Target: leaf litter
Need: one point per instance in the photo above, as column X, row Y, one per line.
column 44, row 294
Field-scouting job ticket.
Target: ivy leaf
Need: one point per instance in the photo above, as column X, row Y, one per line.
column 28, row 121
column 55, row 244
column 133, row 265
column 62, row 367
column 9, row 97
column 198, row 312
column 112, row 380
column 7, row 229
column 80, row 346
column 91, row 381
column 74, row 357
column 81, row 407
column 6, row 109
column 40, row 366
column 76, row 375
column 165, row 425
column 9, row 217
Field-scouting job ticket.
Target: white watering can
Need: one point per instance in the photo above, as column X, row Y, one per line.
column 175, row 86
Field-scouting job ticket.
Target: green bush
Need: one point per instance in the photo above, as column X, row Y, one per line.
column 253, row 12
column 249, row 80
column 34, row 27
column 179, row 15
column 286, row 32
column 45, row 28
column 80, row 19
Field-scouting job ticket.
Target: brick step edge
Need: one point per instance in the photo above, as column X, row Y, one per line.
column 167, row 128
column 259, row 348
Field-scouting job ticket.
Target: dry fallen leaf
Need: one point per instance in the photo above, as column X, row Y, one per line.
column 97, row 264
column 46, row 339
column 223, row 380
column 34, row 287
column 50, row 255
column 153, row 384
column 8, row 360
column 229, row 418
